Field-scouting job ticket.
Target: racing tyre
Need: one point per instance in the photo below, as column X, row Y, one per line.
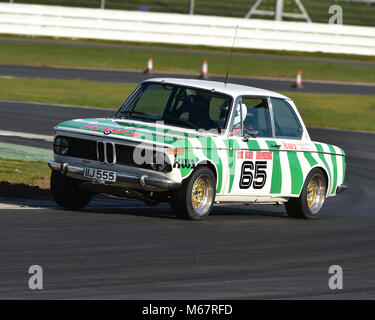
column 195, row 198
column 66, row 192
column 310, row 203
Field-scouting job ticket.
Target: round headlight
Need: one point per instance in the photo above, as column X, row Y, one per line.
column 61, row 146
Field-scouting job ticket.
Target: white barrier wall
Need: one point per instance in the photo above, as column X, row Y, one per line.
column 184, row 29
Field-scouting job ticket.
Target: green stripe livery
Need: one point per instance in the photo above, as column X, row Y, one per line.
column 210, row 151
column 321, row 156
column 276, row 169
column 295, row 172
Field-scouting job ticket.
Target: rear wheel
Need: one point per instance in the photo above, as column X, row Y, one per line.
column 195, row 198
column 310, row 203
column 67, row 193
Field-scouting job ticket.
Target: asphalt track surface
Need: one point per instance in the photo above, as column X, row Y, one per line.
column 118, row 76
column 124, row 249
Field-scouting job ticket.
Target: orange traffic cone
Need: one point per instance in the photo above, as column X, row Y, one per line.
column 149, row 66
column 298, row 83
column 204, row 72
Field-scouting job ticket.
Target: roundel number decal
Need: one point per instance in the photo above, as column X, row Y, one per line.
column 253, row 174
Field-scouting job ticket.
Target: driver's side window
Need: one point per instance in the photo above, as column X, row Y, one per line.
column 255, row 116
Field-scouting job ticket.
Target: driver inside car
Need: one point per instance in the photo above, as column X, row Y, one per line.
column 237, row 123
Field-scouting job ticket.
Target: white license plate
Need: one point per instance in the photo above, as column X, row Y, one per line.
column 99, row 174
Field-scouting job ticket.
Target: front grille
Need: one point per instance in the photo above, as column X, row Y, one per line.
column 81, row 148
column 106, row 152
column 125, row 156
column 110, row 152
column 100, row 151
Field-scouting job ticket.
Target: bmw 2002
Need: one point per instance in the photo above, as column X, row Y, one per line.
column 194, row 143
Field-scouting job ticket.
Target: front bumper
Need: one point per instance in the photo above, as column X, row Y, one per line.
column 142, row 182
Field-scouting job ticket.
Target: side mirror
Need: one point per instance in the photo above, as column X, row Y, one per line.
column 250, row 133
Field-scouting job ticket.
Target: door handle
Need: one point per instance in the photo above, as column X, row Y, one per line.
column 276, row 146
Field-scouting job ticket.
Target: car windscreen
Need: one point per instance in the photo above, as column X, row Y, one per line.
column 178, row 106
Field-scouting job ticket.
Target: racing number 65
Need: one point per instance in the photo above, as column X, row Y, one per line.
column 253, row 175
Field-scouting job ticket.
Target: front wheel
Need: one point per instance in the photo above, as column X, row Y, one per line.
column 195, row 198
column 66, row 192
column 310, row 203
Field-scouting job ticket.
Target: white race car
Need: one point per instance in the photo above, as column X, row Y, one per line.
column 193, row 143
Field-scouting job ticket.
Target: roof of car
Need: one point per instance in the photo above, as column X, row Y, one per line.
column 229, row 88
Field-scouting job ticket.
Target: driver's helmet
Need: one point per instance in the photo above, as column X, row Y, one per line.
column 237, row 118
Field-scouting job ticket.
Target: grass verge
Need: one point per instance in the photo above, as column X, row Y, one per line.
column 184, row 47
column 24, row 179
column 136, row 58
column 351, row 112
column 32, row 173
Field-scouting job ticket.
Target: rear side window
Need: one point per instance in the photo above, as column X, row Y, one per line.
column 287, row 124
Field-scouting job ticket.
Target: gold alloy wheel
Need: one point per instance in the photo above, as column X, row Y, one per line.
column 312, row 193
column 316, row 192
column 202, row 194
